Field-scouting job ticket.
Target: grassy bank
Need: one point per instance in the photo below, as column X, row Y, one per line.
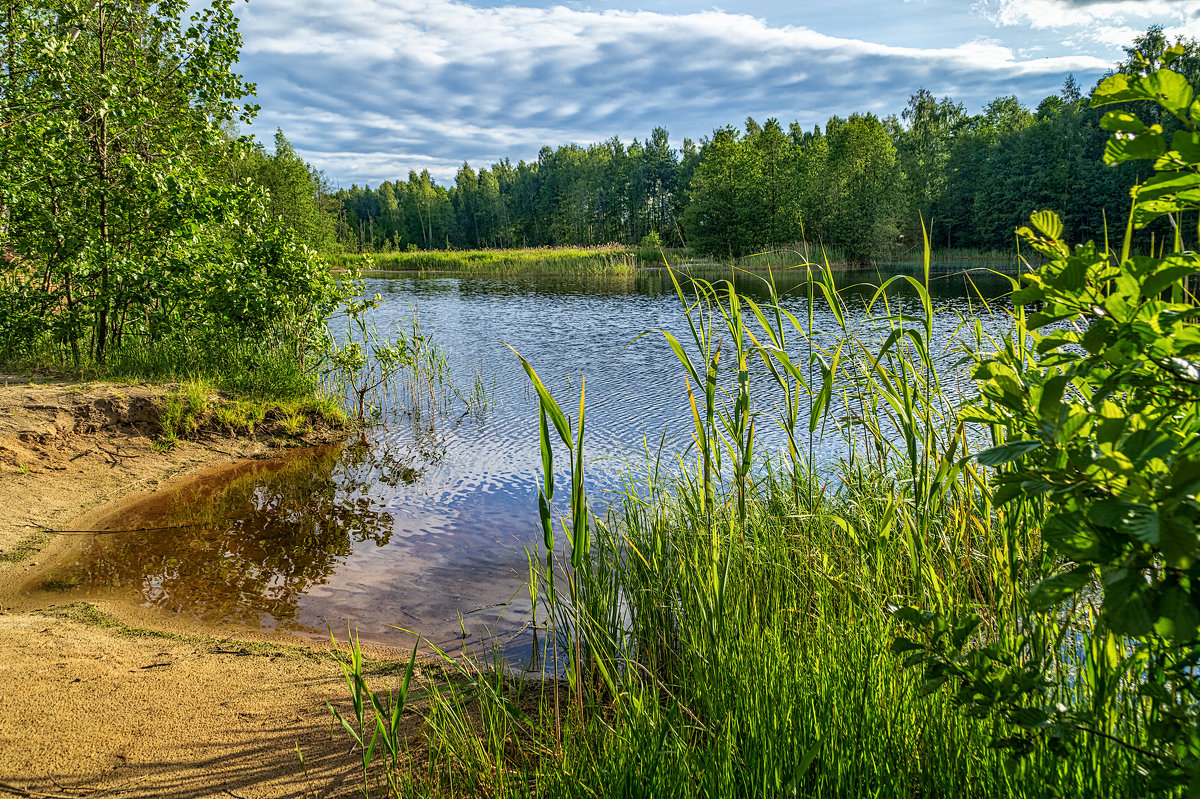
column 538, row 260
column 616, row 260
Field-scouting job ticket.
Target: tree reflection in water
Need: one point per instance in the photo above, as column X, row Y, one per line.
column 243, row 546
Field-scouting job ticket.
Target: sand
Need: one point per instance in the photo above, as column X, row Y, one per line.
column 93, row 704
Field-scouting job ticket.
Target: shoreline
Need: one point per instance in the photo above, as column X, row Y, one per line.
column 99, row 697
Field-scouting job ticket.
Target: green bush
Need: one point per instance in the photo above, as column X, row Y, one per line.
column 1097, row 411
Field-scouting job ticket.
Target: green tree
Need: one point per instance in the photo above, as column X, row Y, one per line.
column 120, row 210
column 298, row 194
column 864, row 180
column 725, row 213
column 924, row 149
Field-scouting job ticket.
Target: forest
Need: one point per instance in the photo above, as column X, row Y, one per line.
column 860, row 185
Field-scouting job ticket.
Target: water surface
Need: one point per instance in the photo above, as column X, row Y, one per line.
column 426, row 524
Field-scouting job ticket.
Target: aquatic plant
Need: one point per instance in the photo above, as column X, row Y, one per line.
column 995, row 587
column 378, row 713
column 402, row 370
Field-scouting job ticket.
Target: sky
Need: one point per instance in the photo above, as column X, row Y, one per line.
column 367, row 90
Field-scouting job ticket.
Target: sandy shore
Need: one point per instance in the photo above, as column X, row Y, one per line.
column 95, row 704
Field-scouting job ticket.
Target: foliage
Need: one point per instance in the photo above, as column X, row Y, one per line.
column 725, row 629
column 650, row 248
column 184, row 409
column 380, row 713
column 366, row 363
column 297, row 194
column 602, row 259
column 400, row 371
column 196, row 405
column 1099, row 425
column 123, row 225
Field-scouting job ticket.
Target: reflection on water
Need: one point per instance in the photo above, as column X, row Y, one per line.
column 425, row 527
column 242, row 547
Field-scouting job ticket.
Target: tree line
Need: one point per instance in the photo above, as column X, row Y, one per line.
column 860, row 185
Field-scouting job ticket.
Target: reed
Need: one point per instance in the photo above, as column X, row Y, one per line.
column 729, row 628
column 535, row 260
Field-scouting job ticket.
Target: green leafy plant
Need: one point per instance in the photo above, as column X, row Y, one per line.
column 376, row 716
column 366, row 363
column 1098, row 443
column 184, row 409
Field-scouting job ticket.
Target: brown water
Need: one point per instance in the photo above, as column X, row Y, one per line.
column 424, row 525
column 296, row 543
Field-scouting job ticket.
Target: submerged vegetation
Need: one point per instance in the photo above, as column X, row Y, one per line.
column 381, row 373
column 994, row 593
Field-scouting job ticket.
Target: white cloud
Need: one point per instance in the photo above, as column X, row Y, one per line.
column 1110, row 15
column 368, row 89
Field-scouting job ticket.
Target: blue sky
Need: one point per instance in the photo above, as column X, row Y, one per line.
column 368, row 89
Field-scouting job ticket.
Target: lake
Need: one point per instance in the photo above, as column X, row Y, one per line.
column 427, row 524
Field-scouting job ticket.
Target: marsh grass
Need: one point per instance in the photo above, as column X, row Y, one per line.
column 611, row 260
column 728, row 628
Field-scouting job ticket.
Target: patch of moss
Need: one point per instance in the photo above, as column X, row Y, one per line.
column 88, row 614
column 27, row 547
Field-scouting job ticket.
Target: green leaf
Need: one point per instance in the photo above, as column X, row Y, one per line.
column 1069, row 535
column 963, row 630
column 1048, row 223
column 551, row 407
column 1097, row 337
column 1161, row 280
column 1143, row 147
column 1117, row 89
column 1129, row 518
column 1122, row 122
column 1166, row 184
column 1177, row 614
column 1006, row 453
column 1053, row 590
column 580, row 537
column 1171, row 89
column 1187, row 144
column 1051, row 401
column 1030, row 718
column 1185, row 479
column 1128, row 603
column 1172, row 54
column 1006, row 492
column 902, row 645
column 1178, row 537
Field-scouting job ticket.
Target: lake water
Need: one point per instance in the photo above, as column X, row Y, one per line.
column 424, row 526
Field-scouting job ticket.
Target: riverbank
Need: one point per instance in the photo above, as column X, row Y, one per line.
column 559, row 261
column 92, row 703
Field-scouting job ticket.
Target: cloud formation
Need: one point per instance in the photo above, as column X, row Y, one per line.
column 369, row 89
column 1111, row 22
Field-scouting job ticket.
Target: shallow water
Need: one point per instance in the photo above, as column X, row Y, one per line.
column 422, row 525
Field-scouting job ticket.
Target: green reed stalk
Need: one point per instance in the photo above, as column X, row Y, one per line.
column 727, row 631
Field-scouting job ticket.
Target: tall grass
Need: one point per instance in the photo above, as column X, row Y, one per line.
column 802, row 254
column 275, row 363
column 728, row 628
column 535, row 260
